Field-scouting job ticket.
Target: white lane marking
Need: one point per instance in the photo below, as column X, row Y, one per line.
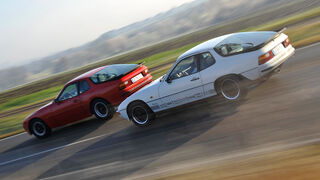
column 49, row 150
column 83, row 170
column 309, row 46
column 6, row 138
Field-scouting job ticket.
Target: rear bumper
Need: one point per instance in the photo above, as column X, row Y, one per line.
column 276, row 61
column 135, row 87
column 269, row 67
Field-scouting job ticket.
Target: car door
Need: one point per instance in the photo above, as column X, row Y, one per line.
column 208, row 73
column 67, row 108
column 85, row 97
column 183, row 84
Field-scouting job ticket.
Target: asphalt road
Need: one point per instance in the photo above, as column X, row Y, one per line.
column 279, row 113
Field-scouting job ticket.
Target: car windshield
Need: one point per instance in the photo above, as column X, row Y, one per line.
column 112, row 72
column 242, row 42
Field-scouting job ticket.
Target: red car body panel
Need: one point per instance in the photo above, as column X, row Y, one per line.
column 56, row 114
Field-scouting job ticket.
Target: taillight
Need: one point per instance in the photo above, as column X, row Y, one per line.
column 266, row 57
column 123, row 85
column 145, row 72
column 286, row 42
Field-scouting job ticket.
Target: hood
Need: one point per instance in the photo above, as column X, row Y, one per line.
column 146, row 94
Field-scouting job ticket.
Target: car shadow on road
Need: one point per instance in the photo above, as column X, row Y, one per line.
column 129, row 150
column 59, row 137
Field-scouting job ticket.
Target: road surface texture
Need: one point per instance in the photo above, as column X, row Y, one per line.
column 281, row 113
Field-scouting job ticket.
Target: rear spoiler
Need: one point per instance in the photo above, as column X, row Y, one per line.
column 138, row 65
column 276, row 35
column 270, row 39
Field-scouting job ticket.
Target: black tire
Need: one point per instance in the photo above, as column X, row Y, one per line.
column 232, row 88
column 102, row 109
column 39, row 129
column 140, row 114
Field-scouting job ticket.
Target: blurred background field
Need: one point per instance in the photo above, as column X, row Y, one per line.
column 303, row 24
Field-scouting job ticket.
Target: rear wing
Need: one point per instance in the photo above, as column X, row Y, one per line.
column 279, row 32
column 276, row 35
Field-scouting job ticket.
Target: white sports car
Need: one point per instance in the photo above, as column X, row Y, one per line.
column 216, row 67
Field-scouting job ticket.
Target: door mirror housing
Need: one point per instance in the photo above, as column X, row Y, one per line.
column 168, row 80
column 56, row 101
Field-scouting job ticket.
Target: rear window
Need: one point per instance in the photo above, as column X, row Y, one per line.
column 112, row 72
column 242, row 42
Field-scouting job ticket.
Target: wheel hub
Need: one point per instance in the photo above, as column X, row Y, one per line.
column 140, row 115
column 230, row 89
column 101, row 109
column 39, row 128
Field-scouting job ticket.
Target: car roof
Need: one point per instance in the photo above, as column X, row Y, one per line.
column 210, row 44
column 207, row 45
column 86, row 75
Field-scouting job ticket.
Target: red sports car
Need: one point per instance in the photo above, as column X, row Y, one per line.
column 95, row 92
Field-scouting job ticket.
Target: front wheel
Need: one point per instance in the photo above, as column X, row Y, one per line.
column 232, row 89
column 39, row 129
column 102, row 109
column 140, row 114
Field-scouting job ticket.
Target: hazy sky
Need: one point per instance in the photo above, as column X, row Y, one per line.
column 35, row 28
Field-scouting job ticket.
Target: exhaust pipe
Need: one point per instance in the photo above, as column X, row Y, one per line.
column 277, row 70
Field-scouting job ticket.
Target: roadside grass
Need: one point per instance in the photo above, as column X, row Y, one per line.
column 286, row 21
column 299, row 35
column 13, row 108
column 304, row 35
column 30, row 99
column 165, row 57
column 307, row 41
column 11, row 124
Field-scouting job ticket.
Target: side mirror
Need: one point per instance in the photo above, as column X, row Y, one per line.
column 168, row 80
column 56, row 101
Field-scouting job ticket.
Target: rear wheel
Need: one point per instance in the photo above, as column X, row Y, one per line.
column 140, row 114
column 102, row 109
column 232, row 88
column 39, row 129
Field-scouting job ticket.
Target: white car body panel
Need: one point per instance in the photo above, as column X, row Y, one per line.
column 170, row 97
column 161, row 95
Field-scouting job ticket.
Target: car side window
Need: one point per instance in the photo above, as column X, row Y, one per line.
column 206, row 60
column 69, row 92
column 83, row 86
column 184, row 68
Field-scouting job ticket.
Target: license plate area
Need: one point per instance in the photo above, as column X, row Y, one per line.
column 278, row 49
column 136, row 78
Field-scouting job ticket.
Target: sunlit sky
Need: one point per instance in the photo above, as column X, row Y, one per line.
column 30, row 29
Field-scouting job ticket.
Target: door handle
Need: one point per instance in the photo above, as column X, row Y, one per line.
column 195, row 78
column 76, row 100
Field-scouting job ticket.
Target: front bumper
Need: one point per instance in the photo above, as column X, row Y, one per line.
column 26, row 127
column 124, row 114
